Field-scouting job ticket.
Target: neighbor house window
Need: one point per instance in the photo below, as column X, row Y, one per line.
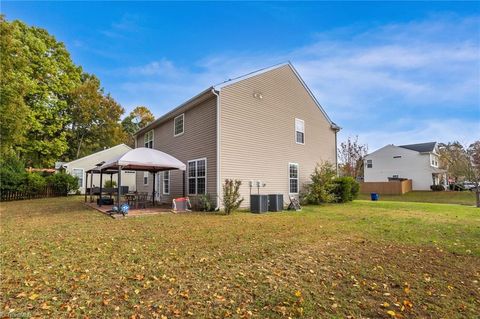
column 166, row 183
column 78, row 173
column 299, row 131
column 148, row 139
column 197, row 176
column 145, row 178
column 369, row 164
column 293, row 178
column 178, row 125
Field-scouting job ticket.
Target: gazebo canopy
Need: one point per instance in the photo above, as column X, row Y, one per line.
column 144, row 159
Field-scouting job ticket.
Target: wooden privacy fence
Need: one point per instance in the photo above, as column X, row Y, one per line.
column 7, row 195
column 387, row 188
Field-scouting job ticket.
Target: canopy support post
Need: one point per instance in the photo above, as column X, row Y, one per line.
column 101, row 186
column 86, row 184
column 153, row 189
column 119, row 186
column 91, row 185
column 183, row 184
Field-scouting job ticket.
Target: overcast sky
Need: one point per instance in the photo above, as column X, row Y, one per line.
column 388, row 72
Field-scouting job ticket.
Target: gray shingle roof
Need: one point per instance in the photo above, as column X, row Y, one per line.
column 422, row 147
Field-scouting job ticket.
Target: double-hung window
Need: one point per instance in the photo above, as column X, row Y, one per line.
column 293, row 178
column 78, row 173
column 145, row 178
column 178, row 125
column 197, row 176
column 299, row 131
column 148, row 139
column 166, row 183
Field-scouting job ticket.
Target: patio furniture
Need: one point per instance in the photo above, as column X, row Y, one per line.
column 181, row 204
column 294, row 204
column 130, row 198
column 141, row 200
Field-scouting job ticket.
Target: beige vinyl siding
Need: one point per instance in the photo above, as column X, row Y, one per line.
column 197, row 141
column 88, row 162
column 257, row 136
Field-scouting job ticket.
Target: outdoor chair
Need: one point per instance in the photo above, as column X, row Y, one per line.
column 294, row 204
column 181, row 204
column 142, row 200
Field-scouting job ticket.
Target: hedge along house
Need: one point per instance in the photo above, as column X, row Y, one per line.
column 262, row 128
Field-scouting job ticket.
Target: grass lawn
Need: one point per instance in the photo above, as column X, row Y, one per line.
column 462, row 198
column 363, row 259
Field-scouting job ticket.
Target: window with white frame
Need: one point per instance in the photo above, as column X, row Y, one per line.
column 148, row 139
column 369, row 164
column 166, row 183
column 293, row 178
column 145, row 178
column 78, row 173
column 178, row 125
column 299, row 131
column 197, row 176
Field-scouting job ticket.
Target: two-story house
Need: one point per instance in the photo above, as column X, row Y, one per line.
column 265, row 128
column 418, row 162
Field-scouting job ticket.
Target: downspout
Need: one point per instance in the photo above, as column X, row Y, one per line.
column 218, row 150
column 336, row 129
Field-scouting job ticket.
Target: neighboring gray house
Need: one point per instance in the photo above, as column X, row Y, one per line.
column 418, row 162
column 265, row 126
column 79, row 166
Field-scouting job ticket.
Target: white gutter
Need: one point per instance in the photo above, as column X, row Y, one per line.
column 218, row 150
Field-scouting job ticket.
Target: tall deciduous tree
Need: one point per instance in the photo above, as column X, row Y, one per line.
column 95, row 119
column 14, row 84
column 351, row 154
column 137, row 119
column 42, row 70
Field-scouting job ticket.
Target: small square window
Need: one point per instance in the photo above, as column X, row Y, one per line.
column 178, row 125
column 369, row 164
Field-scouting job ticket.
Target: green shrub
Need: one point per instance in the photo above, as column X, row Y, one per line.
column 63, row 183
column 231, row 195
column 110, row 184
column 320, row 189
column 437, row 188
column 206, row 202
column 345, row 189
column 33, row 183
column 12, row 174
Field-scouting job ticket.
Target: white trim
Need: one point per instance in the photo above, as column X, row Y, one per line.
column 183, row 124
column 219, row 189
column 163, row 182
column 143, row 178
column 83, row 175
column 298, row 178
column 153, row 138
column 196, row 177
column 295, row 129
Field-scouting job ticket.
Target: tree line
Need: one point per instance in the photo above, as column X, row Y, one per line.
column 50, row 108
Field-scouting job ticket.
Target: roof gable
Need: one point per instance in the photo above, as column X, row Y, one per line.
column 247, row 76
column 218, row 88
column 421, row 147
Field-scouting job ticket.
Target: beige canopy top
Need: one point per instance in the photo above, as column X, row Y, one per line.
column 144, row 159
